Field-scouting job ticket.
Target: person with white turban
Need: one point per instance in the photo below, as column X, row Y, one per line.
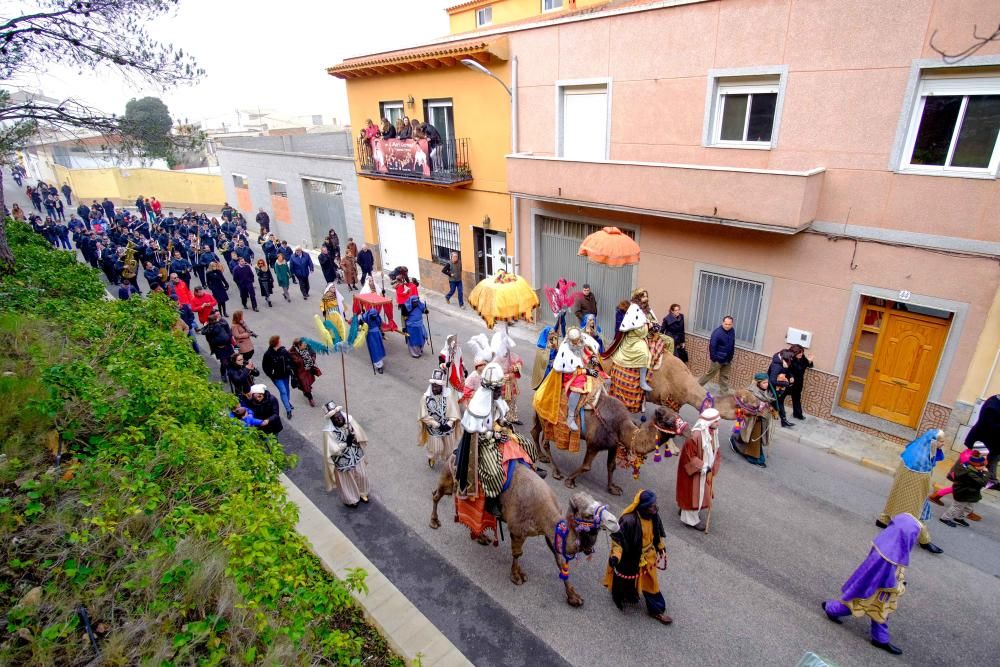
column 697, row 467
column 438, row 419
column 345, row 465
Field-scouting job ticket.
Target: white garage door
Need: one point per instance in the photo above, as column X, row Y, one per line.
column 397, row 234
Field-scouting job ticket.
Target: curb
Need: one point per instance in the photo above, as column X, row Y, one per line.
column 407, row 631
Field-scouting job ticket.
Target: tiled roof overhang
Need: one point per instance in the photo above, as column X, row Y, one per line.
column 422, row 57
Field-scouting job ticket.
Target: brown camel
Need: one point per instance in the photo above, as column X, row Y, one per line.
column 674, row 385
column 530, row 508
column 606, row 428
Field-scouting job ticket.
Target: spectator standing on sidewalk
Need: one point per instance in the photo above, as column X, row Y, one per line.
column 301, row 266
column 327, row 265
column 453, row 269
column 798, row 365
column 277, row 365
column 366, row 262
column 673, row 326
column 586, row 304
column 721, row 348
column 987, row 431
column 242, row 335
column 68, row 194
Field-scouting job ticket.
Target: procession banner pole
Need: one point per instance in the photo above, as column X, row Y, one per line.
column 343, row 374
column 430, row 335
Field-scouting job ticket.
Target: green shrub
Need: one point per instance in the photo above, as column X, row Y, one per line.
column 166, row 520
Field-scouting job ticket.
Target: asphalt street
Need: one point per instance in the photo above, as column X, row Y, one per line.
column 748, row 593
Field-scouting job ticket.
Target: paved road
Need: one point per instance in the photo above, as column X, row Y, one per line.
column 782, row 540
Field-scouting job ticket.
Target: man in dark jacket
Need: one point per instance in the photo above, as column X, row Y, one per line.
column 265, row 407
column 300, row 266
column 798, row 365
column 68, row 194
column 586, row 304
column 987, row 431
column 366, row 262
column 264, row 222
column 220, row 342
column 636, row 547
column 243, row 277
column 779, row 375
column 327, row 265
column 277, row 365
column 721, row 348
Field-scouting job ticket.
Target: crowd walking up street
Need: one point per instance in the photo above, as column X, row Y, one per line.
column 735, row 563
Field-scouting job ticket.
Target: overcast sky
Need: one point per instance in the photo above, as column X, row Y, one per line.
column 262, row 53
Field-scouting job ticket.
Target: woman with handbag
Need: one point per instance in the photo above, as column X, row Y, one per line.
column 305, row 369
column 266, row 280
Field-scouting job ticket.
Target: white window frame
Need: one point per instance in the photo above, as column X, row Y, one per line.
column 958, row 85
column 271, row 181
column 561, row 87
column 246, row 181
column 727, row 272
column 770, row 78
column 384, row 110
column 484, row 17
column 552, row 7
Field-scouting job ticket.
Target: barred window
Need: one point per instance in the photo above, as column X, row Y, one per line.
column 240, row 181
column 720, row 295
column 444, row 239
column 277, row 188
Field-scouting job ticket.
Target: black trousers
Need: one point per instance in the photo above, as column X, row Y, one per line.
column 796, row 396
column 248, row 292
column 304, row 285
column 200, row 272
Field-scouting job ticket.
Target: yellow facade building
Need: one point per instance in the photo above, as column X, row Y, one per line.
column 420, row 203
column 483, row 14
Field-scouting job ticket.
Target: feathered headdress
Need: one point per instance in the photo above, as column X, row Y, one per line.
column 483, row 352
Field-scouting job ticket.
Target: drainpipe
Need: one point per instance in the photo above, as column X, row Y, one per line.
column 513, row 149
column 989, row 378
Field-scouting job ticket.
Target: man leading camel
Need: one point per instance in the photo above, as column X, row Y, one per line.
column 696, row 470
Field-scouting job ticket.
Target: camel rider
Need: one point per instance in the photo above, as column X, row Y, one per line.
column 575, row 360
column 659, row 343
column 450, row 359
column 512, row 365
column 483, row 356
column 633, row 350
column 483, row 451
column 548, row 344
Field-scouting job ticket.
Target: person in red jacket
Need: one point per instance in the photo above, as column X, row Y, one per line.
column 203, row 303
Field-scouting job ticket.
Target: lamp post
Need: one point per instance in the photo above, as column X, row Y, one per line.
column 476, row 66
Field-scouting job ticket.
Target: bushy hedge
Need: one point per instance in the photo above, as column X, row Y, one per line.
column 165, row 521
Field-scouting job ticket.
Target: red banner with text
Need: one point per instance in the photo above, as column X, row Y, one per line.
column 405, row 155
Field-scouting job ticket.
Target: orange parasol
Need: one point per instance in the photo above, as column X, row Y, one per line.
column 506, row 297
column 611, row 247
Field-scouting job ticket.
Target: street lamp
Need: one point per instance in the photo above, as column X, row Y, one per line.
column 478, row 67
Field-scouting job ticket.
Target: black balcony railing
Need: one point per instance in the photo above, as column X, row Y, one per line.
column 446, row 163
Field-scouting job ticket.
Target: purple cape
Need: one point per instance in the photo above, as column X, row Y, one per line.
column 890, row 549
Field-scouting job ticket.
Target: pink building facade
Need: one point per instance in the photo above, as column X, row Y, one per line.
column 814, row 169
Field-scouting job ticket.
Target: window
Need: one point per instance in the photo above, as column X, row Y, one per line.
column 278, row 189
column 391, row 110
column 954, row 126
column 484, row 17
column 444, row 239
column 745, row 111
column 240, row 181
column 440, row 114
column 551, row 5
column 719, row 295
column 583, row 122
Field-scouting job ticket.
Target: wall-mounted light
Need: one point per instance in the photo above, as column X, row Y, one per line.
column 409, row 101
column 486, row 222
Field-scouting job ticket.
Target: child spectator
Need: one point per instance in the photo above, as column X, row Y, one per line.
column 970, row 480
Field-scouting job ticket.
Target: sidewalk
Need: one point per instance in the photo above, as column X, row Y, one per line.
column 864, row 449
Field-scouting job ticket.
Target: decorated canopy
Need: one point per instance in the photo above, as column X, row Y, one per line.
column 611, row 247
column 506, row 297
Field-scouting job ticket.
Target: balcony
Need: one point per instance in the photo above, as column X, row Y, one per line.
column 410, row 161
column 770, row 200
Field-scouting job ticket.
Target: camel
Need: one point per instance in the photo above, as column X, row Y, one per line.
column 674, row 385
column 530, row 508
column 608, row 426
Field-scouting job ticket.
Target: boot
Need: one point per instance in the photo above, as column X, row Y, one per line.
column 571, row 423
column 936, row 498
column 642, row 380
column 269, row 304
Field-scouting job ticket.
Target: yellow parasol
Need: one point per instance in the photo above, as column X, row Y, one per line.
column 611, row 247
column 506, row 297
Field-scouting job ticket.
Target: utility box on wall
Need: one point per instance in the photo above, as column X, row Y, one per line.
column 798, row 336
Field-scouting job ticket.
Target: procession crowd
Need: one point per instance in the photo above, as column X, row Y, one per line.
column 468, row 418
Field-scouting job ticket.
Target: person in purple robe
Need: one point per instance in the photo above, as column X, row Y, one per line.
column 874, row 588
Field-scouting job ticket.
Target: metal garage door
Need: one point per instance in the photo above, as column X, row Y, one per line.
column 325, row 208
column 559, row 241
column 397, row 234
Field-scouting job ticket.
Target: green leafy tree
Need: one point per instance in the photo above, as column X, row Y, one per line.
column 89, row 35
column 148, row 122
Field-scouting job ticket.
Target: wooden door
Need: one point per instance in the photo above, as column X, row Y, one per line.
column 909, row 347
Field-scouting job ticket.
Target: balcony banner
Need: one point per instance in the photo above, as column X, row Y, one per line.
column 401, row 155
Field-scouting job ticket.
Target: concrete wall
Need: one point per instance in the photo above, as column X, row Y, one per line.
column 258, row 166
column 327, row 143
column 170, row 187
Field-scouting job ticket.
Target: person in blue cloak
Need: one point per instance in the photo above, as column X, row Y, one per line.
column 912, row 484
column 416, row 334
column 373, row 339
column 874, row 588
